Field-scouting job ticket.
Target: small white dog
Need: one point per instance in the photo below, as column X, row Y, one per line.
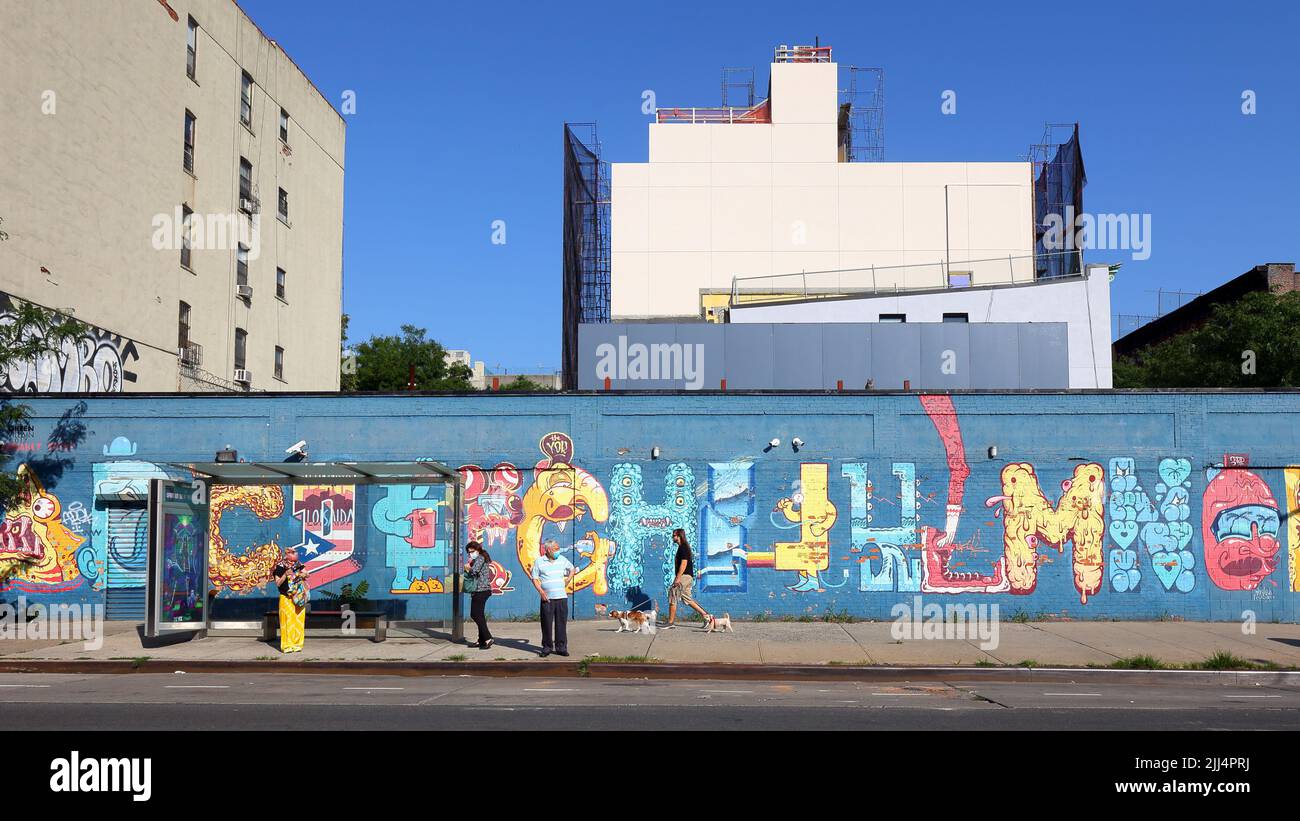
column 719, row 623
column 635, row 621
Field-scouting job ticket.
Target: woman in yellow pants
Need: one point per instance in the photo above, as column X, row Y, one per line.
column 289, row 573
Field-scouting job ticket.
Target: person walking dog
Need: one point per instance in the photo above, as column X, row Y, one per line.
column 478, row 584
column 551, row 574
column 683, row 580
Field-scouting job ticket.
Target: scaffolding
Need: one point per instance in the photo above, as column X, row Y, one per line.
column 1059, row 179
column 862, row 115
column 586, row 239
column 738, row 82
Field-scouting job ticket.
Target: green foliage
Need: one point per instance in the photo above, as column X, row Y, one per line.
column 347, row 381
column 1143, row 662
column 35, row 332
column 1223, row 660
column 523, row 383
column 1214, row 354
column 347, row 594
column 384, row 363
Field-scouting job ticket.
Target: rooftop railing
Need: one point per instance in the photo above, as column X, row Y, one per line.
column 761, row 113
column 926, row 276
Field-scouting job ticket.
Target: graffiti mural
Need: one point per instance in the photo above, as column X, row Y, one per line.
column 635, row 522
column 1240, row 524
column 1293, row 527
column 725, row 521
column 493, row 508
column 811, row 510
column 97, row 361
column 898, row 571
column 563, row 494
column 1160, row 524
column 407, row 515
column 38, row 553
column 245, row 570
column 328, row 532
column 1029, row 518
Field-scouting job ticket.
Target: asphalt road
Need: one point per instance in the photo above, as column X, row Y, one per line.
column 331, row 702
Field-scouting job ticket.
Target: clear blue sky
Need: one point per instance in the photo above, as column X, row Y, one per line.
column 460, row 107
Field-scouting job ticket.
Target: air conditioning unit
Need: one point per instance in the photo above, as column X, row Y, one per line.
column 246, row 377
column 248, row 205
column 244, row 291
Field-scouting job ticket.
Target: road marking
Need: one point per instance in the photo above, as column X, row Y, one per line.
column 737, row 692
column 900, row 694
column 549, row 690
column 198, row 686
column 1252, row 696
column 24, row 685
column 374, row 688
column 1072, row 694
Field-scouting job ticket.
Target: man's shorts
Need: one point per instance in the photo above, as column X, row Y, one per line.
column 681, row 590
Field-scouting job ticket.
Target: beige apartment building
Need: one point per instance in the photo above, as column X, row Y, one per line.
column 176, row 181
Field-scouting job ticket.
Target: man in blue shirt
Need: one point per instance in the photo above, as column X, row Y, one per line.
column 551, row 573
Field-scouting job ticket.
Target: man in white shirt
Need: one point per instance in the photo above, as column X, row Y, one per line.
column 551, row 574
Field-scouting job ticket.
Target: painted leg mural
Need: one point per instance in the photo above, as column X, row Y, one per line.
column 561, row 494
column 939, row 549
column 1240, row 524
column 1028, row 518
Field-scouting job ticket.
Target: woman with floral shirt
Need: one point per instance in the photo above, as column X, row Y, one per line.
column 478, row 584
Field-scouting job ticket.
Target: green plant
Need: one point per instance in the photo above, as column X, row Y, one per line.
column 806, row 617
column 1142, row 662
column 457, row 657
column 985, row 663
column 584, row 666
column 787, row 617
column 838, row 616
column 761, row 617
column 527, row 617
column 349, row 595
column 1223, row 660
column 1028, row 663
column 1020, row 617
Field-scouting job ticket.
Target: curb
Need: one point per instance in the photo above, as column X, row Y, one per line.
column 712, row 671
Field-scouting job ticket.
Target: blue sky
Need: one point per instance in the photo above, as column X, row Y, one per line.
column 460, row 108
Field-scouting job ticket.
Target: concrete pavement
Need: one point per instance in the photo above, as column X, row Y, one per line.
column 1043, row 644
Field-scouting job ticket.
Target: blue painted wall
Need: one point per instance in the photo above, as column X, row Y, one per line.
column 767, row 541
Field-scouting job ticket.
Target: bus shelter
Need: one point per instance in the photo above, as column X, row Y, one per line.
column 181, row 596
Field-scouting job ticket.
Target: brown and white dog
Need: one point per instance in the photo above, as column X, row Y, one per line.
column 636, row 621
column 719, row 623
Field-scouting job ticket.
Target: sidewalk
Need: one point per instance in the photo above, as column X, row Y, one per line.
column 1041, row 644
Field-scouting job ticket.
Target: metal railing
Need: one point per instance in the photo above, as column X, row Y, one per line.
column 761, row 113
column 925, row 276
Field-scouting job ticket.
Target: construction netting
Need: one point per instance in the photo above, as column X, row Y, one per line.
column 1059, row 179
column 586, row 241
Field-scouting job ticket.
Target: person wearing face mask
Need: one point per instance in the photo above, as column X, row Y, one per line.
column 551, row 574
column 478, row 584
column 683, row 580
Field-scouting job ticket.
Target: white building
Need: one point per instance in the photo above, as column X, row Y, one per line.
column 745, row 192
column 144, row 141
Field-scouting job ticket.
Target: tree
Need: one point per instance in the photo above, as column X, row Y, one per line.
column 1249, row 343
column 523, row 383
column 347, row 375
column 384, row 364
column 29, row 332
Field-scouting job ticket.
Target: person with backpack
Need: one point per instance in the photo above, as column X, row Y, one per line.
column 478, row 584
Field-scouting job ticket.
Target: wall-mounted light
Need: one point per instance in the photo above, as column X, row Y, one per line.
column 227, row 454
column 774, row 443
column 993, row 451
column 797, row 443
column 654, row 452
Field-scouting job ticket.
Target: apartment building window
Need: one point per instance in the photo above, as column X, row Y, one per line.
column 241, row 347
column 246, row 100
column 245, row 181
column 284, row 126
column 893, row 317
column 189, row 142
column 279, row 282
column 241, row 265
column 279, row 363
column 284, row 205
column 956, row 317
column 186, row 220
column 183, row 328
column 191, row 48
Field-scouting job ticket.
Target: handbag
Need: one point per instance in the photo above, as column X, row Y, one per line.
column 300, row 593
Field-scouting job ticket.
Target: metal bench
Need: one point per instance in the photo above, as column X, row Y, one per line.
column 375, row 622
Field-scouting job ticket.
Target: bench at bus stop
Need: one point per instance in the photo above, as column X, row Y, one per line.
column 375, row 622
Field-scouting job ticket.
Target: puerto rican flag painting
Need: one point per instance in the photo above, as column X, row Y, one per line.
column 328, row 528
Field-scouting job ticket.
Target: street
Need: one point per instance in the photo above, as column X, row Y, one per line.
column 337, row 702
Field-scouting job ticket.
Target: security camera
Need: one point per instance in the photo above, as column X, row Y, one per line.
column 797, row 442
column 775, row 443
column 297, row 448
